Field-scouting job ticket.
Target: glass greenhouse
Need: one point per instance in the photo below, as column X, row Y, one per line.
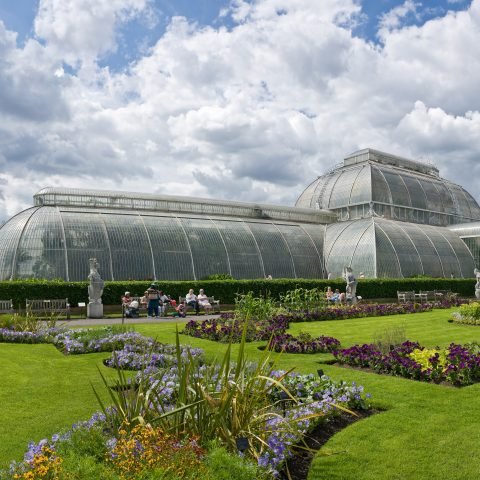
column 382, row 215
column 373, row 183
column 470, row 234
column 380, row 247
column 140, row 236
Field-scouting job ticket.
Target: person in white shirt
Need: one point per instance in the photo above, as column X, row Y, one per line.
column 203, row 301
column 191, row 300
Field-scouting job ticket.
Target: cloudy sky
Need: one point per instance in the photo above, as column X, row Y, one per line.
column 231, row 99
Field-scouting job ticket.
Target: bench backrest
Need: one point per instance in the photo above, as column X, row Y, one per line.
column 6, row 306
column 408, row 296
column 47, row 305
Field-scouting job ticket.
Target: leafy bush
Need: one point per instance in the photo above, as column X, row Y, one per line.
column 218, row 276
column 248, row 307
column 224, row 290
column 468, row 313
column 302, row 299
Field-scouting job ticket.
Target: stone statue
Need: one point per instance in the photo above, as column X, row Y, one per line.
column 477, row 285
column 351, row 288
column 95, row 291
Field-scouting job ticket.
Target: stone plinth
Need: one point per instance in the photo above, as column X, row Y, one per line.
column 95, row 310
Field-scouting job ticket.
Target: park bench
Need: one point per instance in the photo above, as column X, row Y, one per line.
column 211, row 300
column 48, row 307
column 6, row 306
column 405, row 297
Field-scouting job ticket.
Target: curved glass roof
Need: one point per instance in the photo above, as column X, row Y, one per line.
column 57, row 242
column 75, row 197
column 392, row 187
column 385, row 248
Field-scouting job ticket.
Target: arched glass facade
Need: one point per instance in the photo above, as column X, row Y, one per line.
column 372, row 183
column 384, row 248
column 50, row 241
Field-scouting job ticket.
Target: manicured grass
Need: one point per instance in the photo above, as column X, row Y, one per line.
column 426, row 431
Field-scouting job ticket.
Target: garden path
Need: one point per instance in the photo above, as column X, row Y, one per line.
column 88, row 322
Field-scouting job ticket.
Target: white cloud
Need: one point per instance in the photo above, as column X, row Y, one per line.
column 253, row 112
column 394, row 18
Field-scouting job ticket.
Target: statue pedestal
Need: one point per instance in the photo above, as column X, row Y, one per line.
column 95, row 310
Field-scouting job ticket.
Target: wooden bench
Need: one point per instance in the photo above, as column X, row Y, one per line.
column 211, row 300
column 48, row 307
column 405, row 297
column 6, row 306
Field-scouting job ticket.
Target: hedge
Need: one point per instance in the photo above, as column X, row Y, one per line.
column 224, row 290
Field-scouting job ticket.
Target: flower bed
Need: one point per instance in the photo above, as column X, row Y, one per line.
column 342, row 312
column 304, row 343
column 458, row 365
column 128, row 450
column 228, row 329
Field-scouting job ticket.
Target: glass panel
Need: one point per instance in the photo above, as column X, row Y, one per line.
column 317, row 234
column 400, row 195
column 308, row 199
column 364, row 257
column 127, row 237
column 380, row 190
column 343, row 188
column 171, row 254
column 473, row 245
column 208, row 251
column 10, row 234
column 417, row 195
column 362, row 188
column 445, row 251
column 245, row 260
column 410, row 262
column 41, row 252
column 276, row 257
column 430, row 260
column 323, row 192
column 85, row 236
column 344, row 245
column 387, row 261
column 307, row 262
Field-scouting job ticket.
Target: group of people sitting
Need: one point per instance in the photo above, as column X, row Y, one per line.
column 156, row 303
column 335, row 296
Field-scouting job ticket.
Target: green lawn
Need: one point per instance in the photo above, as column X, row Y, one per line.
column 426, row 431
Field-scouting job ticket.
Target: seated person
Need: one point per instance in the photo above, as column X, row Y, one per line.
column 126, row 299
column 191, row 301
column 144, row 301
column 180, row 309
column 203, row 301
column 133, row 310
column 164, row 302
column 329, row 295
column 336, row 297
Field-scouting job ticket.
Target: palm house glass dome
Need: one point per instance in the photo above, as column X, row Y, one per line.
column 140, row 236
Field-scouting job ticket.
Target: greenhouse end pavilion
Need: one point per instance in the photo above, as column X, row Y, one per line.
column 383, row 215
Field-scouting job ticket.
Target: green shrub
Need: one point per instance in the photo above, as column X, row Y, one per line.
column 224, row 290
column 223, row 465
